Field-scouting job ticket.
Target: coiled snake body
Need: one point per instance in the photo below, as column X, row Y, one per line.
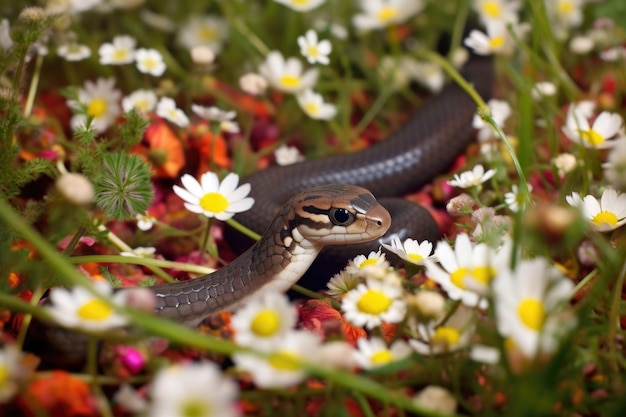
column 337, row 214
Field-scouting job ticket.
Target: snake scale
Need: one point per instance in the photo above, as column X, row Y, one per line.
column 422, row 148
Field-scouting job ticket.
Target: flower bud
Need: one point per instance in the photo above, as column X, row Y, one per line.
column 436, row 399
column 76, row 188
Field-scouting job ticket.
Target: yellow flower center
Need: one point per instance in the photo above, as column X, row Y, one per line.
column 95, row 310
column 446, row 335
column 289, row 81
column 382, row 357
column 97, row 108
column 214, row 202
column 387, row 13
column 368, row 262
column 312, row 51
column 481, row 274
column 284, row 360
column 150, row 63
column 300, row 2
column 120, row 55
column 195, row 408
column 565, row 7
column 312, row 108
column 373, row 302
column 142, row 105
column 531, row 313
column 206, row 34
column 496, row 42
column 265, row 323
column 592, row 137
column 415, row 257
column 492, row 8
column 4, row 376
column 603, row 217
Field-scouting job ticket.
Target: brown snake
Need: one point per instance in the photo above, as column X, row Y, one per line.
column 323, row 215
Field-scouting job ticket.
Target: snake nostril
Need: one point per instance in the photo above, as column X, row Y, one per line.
column 379, row 222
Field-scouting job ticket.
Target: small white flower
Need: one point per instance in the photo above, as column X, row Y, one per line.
column 613, row 54
column 525, row 303
column 287, row 75
column 438, row 337
column 498, row 10
column 429, row 305
column 140, row 252
column 74, row 52
column 436, row 399
column 564, row 163
column 496, row 40
column 101, row 100
column 514, row 198
column 143, row 101
column 605, row 215
column 500, row 111
column 202, row 55
column 373, row 353
column 301, row 5
column 377, row 14
column 207, row 30
column 263, row 321
column 472, row 178
column 361, row 263
column 467, row 270
column 150, row 61
column 213, row 198
column 283, row 365
column 120, row 51
column 223, row 118
column 543, row 89
column 411, row 250
column 581, row 44
column 314, row 106
column 566, row 13
column 5, row 35
column 426, row 73
column 144, row 221
column 341, row 283
column 193, row 389
column 373, row 303
column 166, row 108
column 313, row 50
column 10, row 357
column 252, row 83
column 484, row 354
column 79, row 308
column 287, row 155
column 603, row 133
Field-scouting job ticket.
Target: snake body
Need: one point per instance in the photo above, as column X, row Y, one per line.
column 421, row 149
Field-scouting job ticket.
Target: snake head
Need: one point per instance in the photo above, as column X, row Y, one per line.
column 336, row 214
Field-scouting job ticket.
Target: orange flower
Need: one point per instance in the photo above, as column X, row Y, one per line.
column 59, row 395
column 210, row 149
column 164, row 150
column 321, row 317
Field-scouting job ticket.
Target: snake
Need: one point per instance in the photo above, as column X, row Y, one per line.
column 318, row 206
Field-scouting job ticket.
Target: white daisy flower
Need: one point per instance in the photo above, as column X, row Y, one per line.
column 212, row 198
column 140, row 252
column 436, row 337
column 150, row 61
column 263, row 321
column 287, row 75
column 73, row 52
column 101, row 101
column 604, row 133
column 374, row 352
column 79, row 308
column 498, row 10
column 193, row 389
column 377, row 14
column 467, row 270
column 314, row 106
column 341, row 283
column 525, row 303
column 500, row 111
column 143, row 101
column 223, row 118
column 543, row 89
column 144, row 221
column 301, row 5
column 360, row 263
column 566, row 13
column 411, row 250
column 605, row 215
column 166, row 108
column 287, row 155
column 496, row 40
column 472, row 178
column 252, row 83
column 373, row 303
column 313, row 50
column 204, row 30
column 120, row 51
column 283, row 365
column 514, row 198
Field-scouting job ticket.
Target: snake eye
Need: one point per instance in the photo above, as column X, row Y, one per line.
column 341, row 216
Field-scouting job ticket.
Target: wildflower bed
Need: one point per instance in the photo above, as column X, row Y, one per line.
column 127, row 130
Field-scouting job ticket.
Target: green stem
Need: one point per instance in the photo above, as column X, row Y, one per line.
column 92, row 367
column 75, row 239
column 373, row 110
column 243, row 229
column 32, row 91
column 614, row 321
column 161, row 263
column 21, row 335
column 205, row 237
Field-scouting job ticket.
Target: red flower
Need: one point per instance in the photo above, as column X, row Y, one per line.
column 163, row 149
column 320, row 316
